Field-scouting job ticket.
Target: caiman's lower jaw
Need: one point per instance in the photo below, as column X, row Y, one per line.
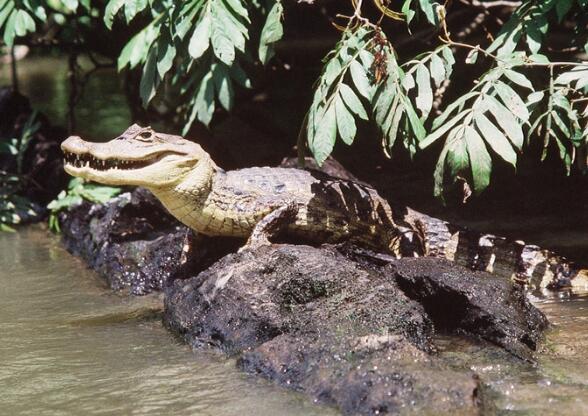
column 76, row 162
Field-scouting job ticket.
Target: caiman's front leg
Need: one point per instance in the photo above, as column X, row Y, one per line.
column 271, row 225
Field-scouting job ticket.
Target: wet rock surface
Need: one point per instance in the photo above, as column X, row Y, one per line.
column 474, row 303
column 133, row 242
column 354, row 333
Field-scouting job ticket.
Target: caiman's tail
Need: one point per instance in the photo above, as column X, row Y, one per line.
column 523, row 263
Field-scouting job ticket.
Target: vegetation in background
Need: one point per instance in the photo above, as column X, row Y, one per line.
column 525, row 89
column 14, row 207
column 77, row 191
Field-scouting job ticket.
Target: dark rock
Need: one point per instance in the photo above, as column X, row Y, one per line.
column 132, row 241
column 476, row 303
column 316, row 321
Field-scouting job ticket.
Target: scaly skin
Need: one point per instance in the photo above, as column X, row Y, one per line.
column 261, row 202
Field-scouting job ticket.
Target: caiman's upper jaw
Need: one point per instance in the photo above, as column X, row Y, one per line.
column 87, row 160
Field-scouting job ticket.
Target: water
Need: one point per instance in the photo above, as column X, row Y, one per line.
column 102, row 112
column 70, row 346
column 556, row 385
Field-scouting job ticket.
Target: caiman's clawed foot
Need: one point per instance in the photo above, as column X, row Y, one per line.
column 270, row 226
column 253, row 244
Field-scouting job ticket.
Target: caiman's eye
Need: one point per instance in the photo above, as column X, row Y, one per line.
column 145, row 135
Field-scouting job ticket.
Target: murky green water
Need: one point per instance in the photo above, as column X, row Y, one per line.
column 102, row 112
column 69, row 346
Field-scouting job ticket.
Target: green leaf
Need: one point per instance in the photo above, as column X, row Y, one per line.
column 24, row 23
column 71, row 5
column 505, row 120
column 472, row 56
column 417, row 126
column 360, row 79
column 480, row 159
column 345, row 121
column 111, row 10
column 535, row 97
column 408, row 12
column 5, row 14
column 166, row 55
column 436, row 134
column 456, row 105
column 222, row 44
column 272, row 32
column 149, row 79
column 534, row 37
column 561, row 124
column 457, row 156
column 512, row 100
column 575, row 74
column 496, row 139
column 223, row 86
column 203, row 103
column 324, row 138
column 9, row 29
column 133, row 7
column 429, row 7
column 439, row 173
column 237, row 6
column 392, row 133
column 201, row 37
column 424, row 99
column 352, row 101
column 449, row 60
column 437, row 70
column 518, row 78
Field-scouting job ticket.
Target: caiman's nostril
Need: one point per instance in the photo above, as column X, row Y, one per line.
column 74, row 144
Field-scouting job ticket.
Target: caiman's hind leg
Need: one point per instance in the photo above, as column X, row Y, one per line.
column 271, row 225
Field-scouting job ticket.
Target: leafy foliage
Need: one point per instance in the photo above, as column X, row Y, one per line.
column 77, row 191
column 217, row 36
column 497, row 118
column 199, row 53
column 20, row 18
column 14, row 207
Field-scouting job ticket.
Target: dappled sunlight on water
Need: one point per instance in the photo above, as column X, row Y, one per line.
column 68, row 345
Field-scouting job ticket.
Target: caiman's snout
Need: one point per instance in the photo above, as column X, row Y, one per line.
column 139, row 156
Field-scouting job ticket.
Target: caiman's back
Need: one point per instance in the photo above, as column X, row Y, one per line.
column 327, row 209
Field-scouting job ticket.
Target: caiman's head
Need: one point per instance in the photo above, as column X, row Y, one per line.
column 140, row 156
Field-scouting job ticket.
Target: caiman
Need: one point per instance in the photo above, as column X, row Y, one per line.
column 263, row 202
